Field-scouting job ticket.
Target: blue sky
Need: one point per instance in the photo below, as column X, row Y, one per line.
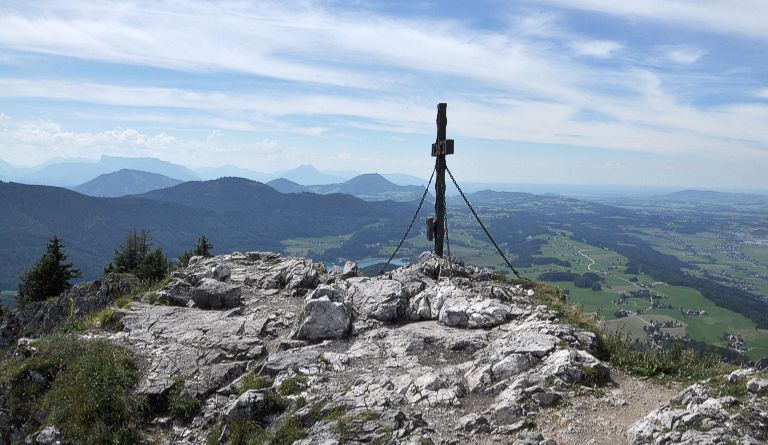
column 654, row 92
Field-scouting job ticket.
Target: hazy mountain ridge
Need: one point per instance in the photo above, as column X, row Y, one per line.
column 70, row 173
column 234, row 213
column 283, row 185
column 370, row 186
column 125, row 182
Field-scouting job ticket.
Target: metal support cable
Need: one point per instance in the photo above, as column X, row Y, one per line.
column 479, row 221
column 410, row 226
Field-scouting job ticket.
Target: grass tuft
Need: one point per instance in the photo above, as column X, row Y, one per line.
column 180, row 402
column 253, row 381
column 124, row 302
column 85, row 387
column 670, row 363
column 293, row 385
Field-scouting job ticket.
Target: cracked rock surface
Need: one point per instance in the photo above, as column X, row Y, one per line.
column 435, row 352
column 432, row 353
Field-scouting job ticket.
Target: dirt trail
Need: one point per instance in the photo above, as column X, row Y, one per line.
column 604, row 420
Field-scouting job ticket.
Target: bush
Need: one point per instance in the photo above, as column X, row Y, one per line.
column 86, row 389
column 49, row 277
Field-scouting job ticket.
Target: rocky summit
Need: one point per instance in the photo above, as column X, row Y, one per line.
column 436, row 352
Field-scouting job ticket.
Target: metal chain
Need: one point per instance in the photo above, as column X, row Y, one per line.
column 479, row 221
column 410, row 226
column 448, row 241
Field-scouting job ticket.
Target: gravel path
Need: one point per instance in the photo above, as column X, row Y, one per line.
column 595, row 419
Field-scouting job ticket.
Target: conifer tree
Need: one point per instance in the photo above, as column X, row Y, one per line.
column 49, row 277
column 203, row 249
column 136, row 256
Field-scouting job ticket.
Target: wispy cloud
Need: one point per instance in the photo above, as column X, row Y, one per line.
column 313, row 70
column 596, row 48
column 682, row 54
column 734, row 17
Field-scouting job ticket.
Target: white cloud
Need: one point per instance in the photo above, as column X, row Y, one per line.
column 654, row 122
column 736, row 17
column 31, row 142
column 762, row 93
column 596, row 48
column 380, row 73
column 682, row 54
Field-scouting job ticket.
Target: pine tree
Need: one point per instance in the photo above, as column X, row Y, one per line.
column 136, row 256
column 203, row 249
column 49, row 277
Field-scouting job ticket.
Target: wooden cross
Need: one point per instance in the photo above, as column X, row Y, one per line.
column 441, row 148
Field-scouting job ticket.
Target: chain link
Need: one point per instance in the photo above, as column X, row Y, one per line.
column 410, row 226
column 487, row 233
column 448, row 241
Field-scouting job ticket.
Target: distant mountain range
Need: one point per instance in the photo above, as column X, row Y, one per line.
column 232, row 171
column 370, row 187
column 70, row 173
column 309, row 175
column 125, row 182
column 283, row 185
column 236, row 214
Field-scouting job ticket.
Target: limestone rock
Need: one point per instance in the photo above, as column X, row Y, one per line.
column 247, row 403
column 453, row 312
column 434, row 352
column 380, row 299
column 350, row 270
column 757, row 386
column 213, row 294
column 325, row 315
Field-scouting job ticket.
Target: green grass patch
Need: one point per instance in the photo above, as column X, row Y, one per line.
column 336, row 413
column 108, row 319
column 180, row 402
column 349, row 426
column 668, row 363
column 293, row 385
column 85, row 387
column 124, row 302
column 254, row 429
column 252, row 381
column 73, row 326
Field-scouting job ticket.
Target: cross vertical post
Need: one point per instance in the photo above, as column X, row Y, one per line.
column 440, row 149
